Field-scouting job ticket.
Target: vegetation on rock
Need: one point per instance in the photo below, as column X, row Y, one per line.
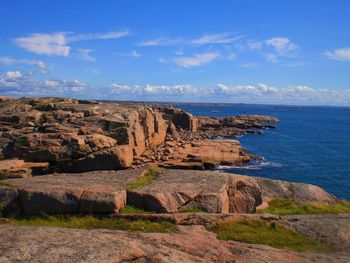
column 153, row 172
column 265, row 233
column 91, row 222
column 129, row 209
column 288, row 207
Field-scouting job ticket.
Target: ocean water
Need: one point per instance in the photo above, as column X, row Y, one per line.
column 310, row 145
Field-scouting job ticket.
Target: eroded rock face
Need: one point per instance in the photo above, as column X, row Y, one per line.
column 91, row 192
column 176, row 190
column 205, row 154
column 78, row 136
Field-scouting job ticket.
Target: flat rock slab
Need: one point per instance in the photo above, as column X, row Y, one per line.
column 190, row 244
column 213, row 192
column 91, row 192
column 331, row 229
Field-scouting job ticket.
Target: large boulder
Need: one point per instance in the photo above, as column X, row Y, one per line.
column 300, row 193
column 91, row 192
column 177, row 190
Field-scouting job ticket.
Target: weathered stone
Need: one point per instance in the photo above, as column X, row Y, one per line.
column 205, row 154
column 8, row 199
column 331, row 229
column 190, row 244
column 176, row 190
column 15, row 168
column 298, row 192
column 92, row 192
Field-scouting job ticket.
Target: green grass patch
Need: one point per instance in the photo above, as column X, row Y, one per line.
column 153, row 172
column 129, row 209
column 192, row 210
column 288, row 207
column 271, row 234
column 91, row 222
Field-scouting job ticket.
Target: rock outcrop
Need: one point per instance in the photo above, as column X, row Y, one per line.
column 300, row 193
column 14, row 168
column 90, row 192
column 77, row 136
column 178, row 190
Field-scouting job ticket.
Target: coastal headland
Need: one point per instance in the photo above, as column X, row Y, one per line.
column 91, row 181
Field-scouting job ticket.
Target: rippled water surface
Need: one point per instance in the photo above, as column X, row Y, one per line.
column 311, row 144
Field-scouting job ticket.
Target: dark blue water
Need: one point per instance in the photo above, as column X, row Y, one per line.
column 310, row 145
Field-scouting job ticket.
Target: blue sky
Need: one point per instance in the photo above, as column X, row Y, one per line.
column 280, row 52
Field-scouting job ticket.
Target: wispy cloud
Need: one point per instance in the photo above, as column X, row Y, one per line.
column 196, row 60
column 342, row 54
column 133, row 53
column 41, row 65
column 84, row 54
column 56, row 44
column 161, row 41
column 282, row 45
column 223, row 38
column 91, row 36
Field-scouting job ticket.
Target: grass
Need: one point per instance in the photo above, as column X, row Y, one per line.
column 129, row 209
column 192, row 210
column 271, row 234
column 288, row 207
column 90, row 222
column 153, row 172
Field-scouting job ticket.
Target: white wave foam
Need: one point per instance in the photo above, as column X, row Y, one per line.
column 258, row 165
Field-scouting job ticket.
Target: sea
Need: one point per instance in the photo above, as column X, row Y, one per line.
column 310, row 145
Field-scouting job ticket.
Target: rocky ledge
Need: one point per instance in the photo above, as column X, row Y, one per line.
column 169, row 192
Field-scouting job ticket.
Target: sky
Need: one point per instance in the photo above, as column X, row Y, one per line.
column 249, row 51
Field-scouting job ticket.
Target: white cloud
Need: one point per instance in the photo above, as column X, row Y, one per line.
column 37, row 63
column 223, row 38
column 13, row 74
column 46, row 44
column 162, row 41
column 118, row 88
column 56, row 44
column 257, row 93
column 342, row 54
column 133, row 53
column 90, row 36
column 196, row 60
column 15, row 83
column 84, row 54
column 282, row 45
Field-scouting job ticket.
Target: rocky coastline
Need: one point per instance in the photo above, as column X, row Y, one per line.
column 69, row 157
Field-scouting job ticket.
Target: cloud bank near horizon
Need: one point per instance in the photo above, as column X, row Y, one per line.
column 18, row 84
